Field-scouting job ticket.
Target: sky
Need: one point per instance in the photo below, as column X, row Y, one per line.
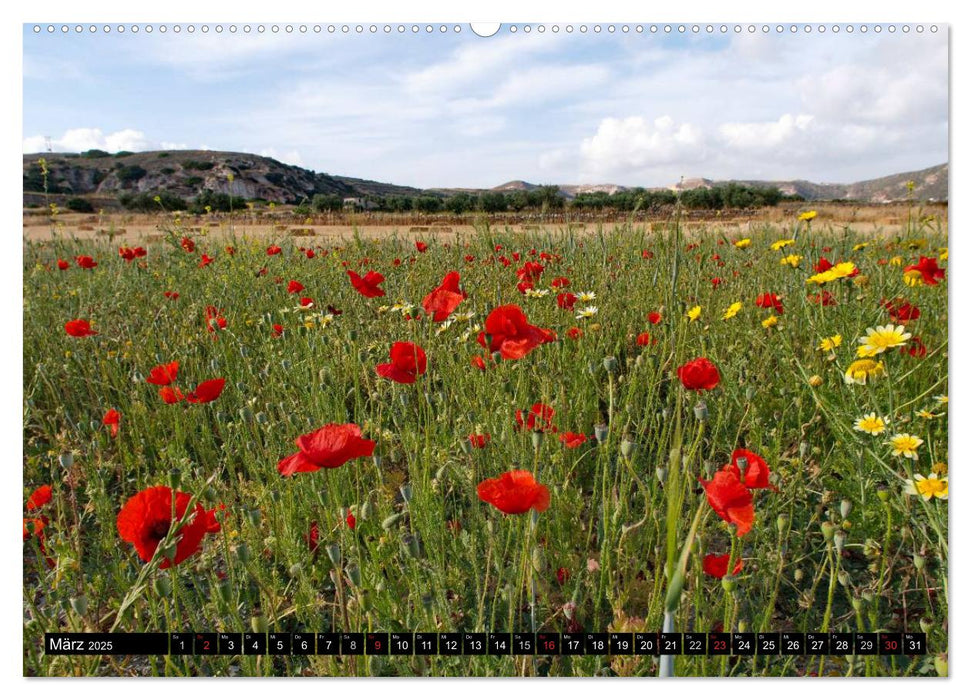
column 457, row 110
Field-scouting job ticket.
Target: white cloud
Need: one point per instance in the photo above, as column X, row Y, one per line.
column 290, row 157
column 623, row 146
column 767, row 137
column 85, row 139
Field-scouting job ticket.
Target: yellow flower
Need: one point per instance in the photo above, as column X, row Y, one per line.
column 808, row 215
column 830, row 343
column 913, row 278
column 782, row 243
column 694, row 313
column 743, row 243
column 882, row 338
column 860, row 370
column 864, row 351
column 791, row 260
column 896, row 261
column 942, row 254
column 732, row 310
column 926, row 415
column 836, row 272
column 927, row 487
column 905, row 445
column 939, row 468
column 770, row 322
column 941, row 399
column 860, row 246
column 870, row 423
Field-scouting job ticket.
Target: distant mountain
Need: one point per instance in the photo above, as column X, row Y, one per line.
column 188, row 173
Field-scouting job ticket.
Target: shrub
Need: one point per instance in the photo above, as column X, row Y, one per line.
column 79, row 204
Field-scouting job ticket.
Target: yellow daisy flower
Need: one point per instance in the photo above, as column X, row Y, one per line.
column 791, row 260
column 808, row 215
column 782, row 243
column 927, row 487
column 860, row 370
column 743, row 243
column 913, row 278
column 905, row 445
column 830, row 343
column 870, row 423
column 882, row 338
column 770, row 322
column 693, row 313
column 732, row 311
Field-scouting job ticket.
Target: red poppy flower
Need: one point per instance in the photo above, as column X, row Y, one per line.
column 188, row 245
column 294, row 287
column 274, row 250
column 515, row 492
column 730, row 499
column 928, row 269
column 127, row 254
column 86, row 262
column 37, row 526
column 206, row 391
column 313, row 537
column 147, row 517
column 540, row 418
column 562, row 575
column 351, row 521
column 171, row 295
column 408, row 361
column 573, row 440
column 510, row 334
column 644, row 339
column 230, row 250
column 824, row 298
column 421, row 246
column 915, row 348
column 574, row 333
column 654, row 317
column 326, row 448
column 367, row 285
column 901, row 311
column 206, row 260
column 699, row 374
column 79, row 328
column 163, row 375
column 63, row 264
column 715, row 281
column 306, row 302
column 479, row 363
column 756, row 474
column 530, row 273
column 769, row 301
column 170, row 394
column 559, row 282
column 445, row 298
column 717, row 565
column 822, row 265
column 40, row 497
column 277, row 330
column 479, row 441
column 112, row 418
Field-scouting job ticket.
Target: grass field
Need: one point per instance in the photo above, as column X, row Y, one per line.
column 625, row 433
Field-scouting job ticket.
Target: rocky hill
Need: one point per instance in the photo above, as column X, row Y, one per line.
column 188, row 173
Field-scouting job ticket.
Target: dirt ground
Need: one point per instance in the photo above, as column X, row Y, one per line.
column 144, row 228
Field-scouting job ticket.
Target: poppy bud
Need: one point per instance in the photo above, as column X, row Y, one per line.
column 749, row 393
column 803, row 450
column 940, row 664
column 175, row 478
column 222, row 416
column 926, row 625
column 919, row 562
column 857, row 604
column 815, row 380
column 295, row 570
column 243, row 552
column 262, row 418
column 66, row 460
column 80, row 604
column 169, row 551
column 275, row 495
column 365, row 510
column 610, row 364
column 391, row 520
column 537, row 439
column 466, row 446
column 883, row 493
column 798, row 575
column 845, row 508
column 137, row 377
column 839, row 539
column 258, row 624
column 844, row 578
column 246, row 413
column 334, row 554
column 412, row 545
column 354, row 573
column 600, row 432
column 286, row 365
column 782, row 522
column 828, row 530
column 743, row 626
column 404, row 399
column 701, row 411
column 405, row 490
column 729, row 584
column 662, row 474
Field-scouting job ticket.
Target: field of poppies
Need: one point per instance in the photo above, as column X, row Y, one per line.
column 622, row 431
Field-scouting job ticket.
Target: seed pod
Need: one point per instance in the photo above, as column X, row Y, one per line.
column 926, row 625
column 600, row 431
column 391, row 520
column 334, row 554
column 627, row 447
column 729, row 584
column 405, row 490
column 839, row 539
column 661, row 473
column 743, row 626
column 883, row 493
column 611, row 364
column 66, row 460
column 246, row 413
column 537, row 439
column 846, row 507
column 258, row 624
column 782, row 522
column 919, row 562
column 844, row 578
column 749, row 393
column 295, row 570
column 828, row 530
column 354, row 573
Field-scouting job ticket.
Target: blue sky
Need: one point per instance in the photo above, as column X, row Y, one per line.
column 460, row 110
